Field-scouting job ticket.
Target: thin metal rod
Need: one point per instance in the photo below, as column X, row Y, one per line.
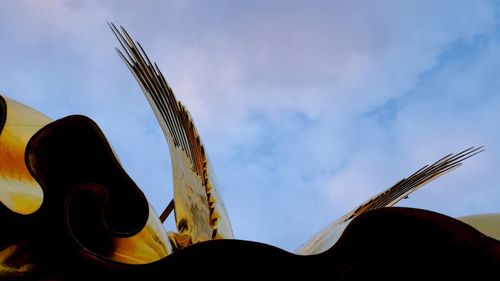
column 167, row 211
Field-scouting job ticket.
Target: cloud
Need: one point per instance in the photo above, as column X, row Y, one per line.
column 305, row 109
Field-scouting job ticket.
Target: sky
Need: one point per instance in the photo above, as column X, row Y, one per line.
column 306, row 108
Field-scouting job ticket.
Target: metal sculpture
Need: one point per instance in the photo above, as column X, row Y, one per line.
column 69, row 211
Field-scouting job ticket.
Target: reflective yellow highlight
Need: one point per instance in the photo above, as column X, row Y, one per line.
column 190, row 197
column 7, row 270
column 149, row 245
column 18, row 190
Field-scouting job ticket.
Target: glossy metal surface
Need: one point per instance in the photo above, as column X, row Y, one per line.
column 21, row 194
column 18, row 190
column 199, row 211
column 92, row 222
column 488, row 224
column 149, row 245
column 328, row 236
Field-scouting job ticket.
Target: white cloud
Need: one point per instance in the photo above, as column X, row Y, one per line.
column 304, row 108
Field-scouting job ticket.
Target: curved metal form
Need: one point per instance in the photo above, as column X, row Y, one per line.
column 488, row 224
column 199, row 211
column 69, row 211
column 327, row 237
column 19, row 192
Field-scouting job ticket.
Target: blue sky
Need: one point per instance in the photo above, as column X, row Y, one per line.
column 306, row 108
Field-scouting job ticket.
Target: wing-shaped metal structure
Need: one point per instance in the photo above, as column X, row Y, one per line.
column 69, row 211
column 199, row 211
column 327, row 237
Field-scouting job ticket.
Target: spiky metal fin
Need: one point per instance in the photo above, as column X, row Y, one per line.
column 408, row 185
column 193, row 183
column 329, row 235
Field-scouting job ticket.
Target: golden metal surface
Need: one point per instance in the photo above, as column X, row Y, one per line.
column 18, row 190
column 149, row 245
column 22, row 194
column 199, row 210
column 7, row 270
column 328, row 236
column 488, row 224
column 191, row 208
